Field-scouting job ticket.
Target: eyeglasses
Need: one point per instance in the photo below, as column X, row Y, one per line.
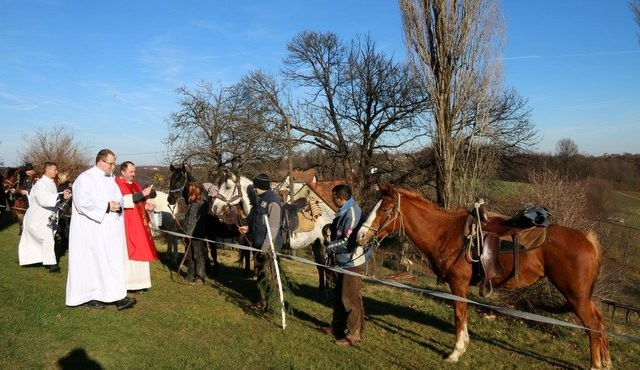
column 109, row 163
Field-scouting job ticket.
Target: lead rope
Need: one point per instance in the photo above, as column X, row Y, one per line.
column 476, row 232
column 187, row 243
column 479, row 239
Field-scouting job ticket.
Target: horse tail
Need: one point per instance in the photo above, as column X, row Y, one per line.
column 595, row 243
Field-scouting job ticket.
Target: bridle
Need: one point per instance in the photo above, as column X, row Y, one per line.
column 184, row 183
column 391, row 218
column 235, row 195
column 179, row 190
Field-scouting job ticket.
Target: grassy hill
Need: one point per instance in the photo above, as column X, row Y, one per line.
column 213, row 326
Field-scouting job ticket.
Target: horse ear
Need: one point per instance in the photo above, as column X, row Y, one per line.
column 172, row 168
column 385, row 188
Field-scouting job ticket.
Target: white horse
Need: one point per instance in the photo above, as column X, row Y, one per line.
column 168, row 222
column 234, row 189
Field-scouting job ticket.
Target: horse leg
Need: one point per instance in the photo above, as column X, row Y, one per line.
column 591, row 318
column 214, row 267
column 247, row 262
column 322, row 282
column 459, row 288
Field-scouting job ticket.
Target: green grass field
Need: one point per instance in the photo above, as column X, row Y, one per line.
column 177, row 326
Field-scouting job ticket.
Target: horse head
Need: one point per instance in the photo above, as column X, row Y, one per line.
column 10, row 179
column 383, row 217
column 233, row 190
column 180, row 176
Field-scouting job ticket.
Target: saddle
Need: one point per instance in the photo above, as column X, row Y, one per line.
column 290, row 212
column 502, row 234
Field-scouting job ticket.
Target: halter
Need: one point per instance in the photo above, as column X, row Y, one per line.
column 183, row 185
column 235, row 195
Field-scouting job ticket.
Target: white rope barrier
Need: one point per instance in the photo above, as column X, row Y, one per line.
column 434, row 293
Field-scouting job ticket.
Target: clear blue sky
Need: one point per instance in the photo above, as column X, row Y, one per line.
column 108, row 70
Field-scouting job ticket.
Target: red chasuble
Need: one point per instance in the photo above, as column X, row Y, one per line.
column 136, row 226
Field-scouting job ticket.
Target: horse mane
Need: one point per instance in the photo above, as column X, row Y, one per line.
column 12, row 171
column 414, row 195
column 226, row 174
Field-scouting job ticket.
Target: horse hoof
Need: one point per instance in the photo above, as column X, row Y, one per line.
column 451, row 359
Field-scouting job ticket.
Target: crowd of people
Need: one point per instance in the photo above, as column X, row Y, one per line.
column 110, row 244
column 108, row 236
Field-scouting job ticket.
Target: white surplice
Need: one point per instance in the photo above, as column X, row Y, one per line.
column 36, row 242
column 137, row 273
column 96, row 241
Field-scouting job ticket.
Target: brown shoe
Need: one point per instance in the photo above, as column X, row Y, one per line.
column 346, row 342
column 325, row 330
column 197, row 281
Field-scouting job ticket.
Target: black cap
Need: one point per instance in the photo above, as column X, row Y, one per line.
column 262, row 181
column 28, row 167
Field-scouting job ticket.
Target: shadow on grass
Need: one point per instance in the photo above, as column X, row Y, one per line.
column 242, row 292
column 78, row 359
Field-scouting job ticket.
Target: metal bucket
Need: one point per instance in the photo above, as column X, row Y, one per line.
column 156, row 218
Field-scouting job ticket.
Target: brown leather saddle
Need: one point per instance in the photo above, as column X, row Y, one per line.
column 291, row 218
column 522, row 232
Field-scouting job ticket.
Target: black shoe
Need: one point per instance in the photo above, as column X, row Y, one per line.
column 53, row 268
column 97, row 305
column 125, row 303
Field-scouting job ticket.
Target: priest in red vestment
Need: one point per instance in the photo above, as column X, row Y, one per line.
column 140, row 246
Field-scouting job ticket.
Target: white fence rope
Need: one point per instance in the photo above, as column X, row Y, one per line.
column 442, row 295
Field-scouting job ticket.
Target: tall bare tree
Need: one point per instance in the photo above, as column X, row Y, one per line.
column 635, row 8
column 357, row 101
column 56, row 144
column 270, row 95
column 566, row 149
column 218, row 127
column 456, row 49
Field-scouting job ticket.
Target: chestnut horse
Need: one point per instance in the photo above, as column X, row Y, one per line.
column 18, row 202
column 569, row 258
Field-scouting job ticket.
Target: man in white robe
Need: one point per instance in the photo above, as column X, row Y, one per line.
column 36, row 242
column 96, row 239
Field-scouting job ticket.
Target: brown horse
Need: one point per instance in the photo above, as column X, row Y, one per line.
column 569, row 258
column 18, row 202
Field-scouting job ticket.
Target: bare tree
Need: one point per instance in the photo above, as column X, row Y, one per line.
column 218, row 127
column 456, row 49
column 57, row 144
column 357, row 101
column 566, row 149
column 635, row 8
column 270, row 95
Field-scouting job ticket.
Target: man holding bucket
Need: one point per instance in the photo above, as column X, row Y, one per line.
column 140, row 247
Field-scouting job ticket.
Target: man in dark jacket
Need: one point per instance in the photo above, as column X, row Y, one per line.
column 267, row 203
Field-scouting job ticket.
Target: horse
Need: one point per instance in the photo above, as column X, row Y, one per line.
column 168, row 222
column 232, row 204
column 569, row 258
column 180, row 177
column 18, row 202
column 235, row 190
column 3, row 197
